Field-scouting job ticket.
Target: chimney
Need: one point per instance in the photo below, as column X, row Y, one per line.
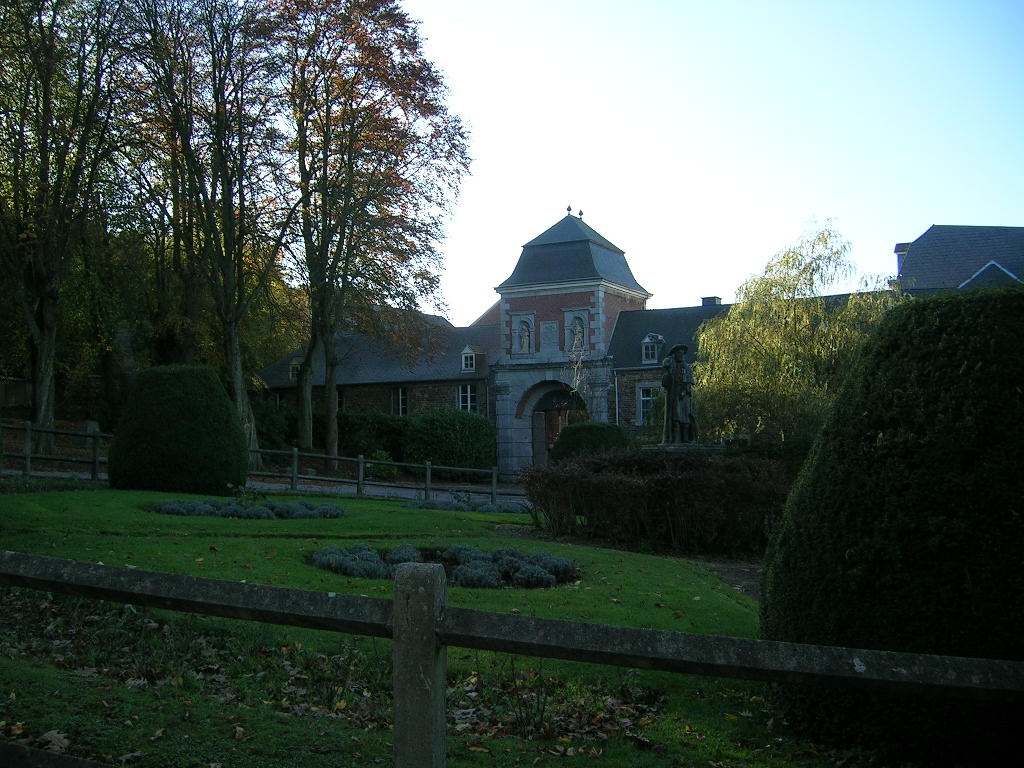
column 710, row 301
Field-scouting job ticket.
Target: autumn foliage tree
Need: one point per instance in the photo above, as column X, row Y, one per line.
column 174, row 151
column 771, row 365
column 210, row 71
column 58, row 98
column 378, row 160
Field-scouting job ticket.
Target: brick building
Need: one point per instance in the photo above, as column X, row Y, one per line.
column 571, row 333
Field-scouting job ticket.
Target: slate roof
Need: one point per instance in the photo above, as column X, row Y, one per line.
column 369, row 362
column 948, row 257
column 571, row 251
column 678, row 326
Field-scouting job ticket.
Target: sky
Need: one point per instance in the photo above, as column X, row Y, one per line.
column 703, row 138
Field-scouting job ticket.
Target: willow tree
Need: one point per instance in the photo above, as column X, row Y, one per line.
column 58, row 99
column 772, row 364
column 378, row 160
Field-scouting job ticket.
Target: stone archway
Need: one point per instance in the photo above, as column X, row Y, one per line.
column 555, row 405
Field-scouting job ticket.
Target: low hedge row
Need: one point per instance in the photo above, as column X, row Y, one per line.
column 687, row 502
column 466, row 565
column 262, row 510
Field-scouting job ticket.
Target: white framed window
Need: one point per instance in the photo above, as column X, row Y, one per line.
column 400, row 401
column 467, row 397
column 468, row 361
column 650, row 348
column 646, row 397
column 293, row 370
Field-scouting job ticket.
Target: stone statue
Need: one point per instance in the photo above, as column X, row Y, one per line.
column 680, row 421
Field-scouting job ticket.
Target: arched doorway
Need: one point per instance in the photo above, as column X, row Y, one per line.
column 554, row 410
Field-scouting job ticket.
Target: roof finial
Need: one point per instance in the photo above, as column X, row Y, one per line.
column 580, row 213
column 568, row 209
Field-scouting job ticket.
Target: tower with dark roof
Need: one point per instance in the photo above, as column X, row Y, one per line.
column 556, row 315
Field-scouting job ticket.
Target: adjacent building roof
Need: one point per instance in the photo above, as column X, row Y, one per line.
column 365, row 361
column 571, row 251
column 677, row 326
column 948, row 257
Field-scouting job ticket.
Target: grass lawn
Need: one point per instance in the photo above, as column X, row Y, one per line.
column 153, row 688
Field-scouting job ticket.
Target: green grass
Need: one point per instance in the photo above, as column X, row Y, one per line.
column 187, row 690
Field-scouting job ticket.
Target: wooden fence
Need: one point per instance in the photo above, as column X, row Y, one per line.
column 359, row 472
column 64, row 448
column 422, row 625
column 48, row 449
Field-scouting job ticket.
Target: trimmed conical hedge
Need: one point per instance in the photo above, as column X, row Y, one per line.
column 905, row 529
column 179, row 432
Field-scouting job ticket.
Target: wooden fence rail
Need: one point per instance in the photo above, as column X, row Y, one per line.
column 361, row 471
column 360, row 475
column 421, row 625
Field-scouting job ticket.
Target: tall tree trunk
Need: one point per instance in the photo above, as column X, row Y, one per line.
column 305, row 393
column 331, row 403
column 236, row 385
column 43, row 327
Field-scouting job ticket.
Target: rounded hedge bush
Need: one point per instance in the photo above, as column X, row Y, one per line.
column 905, row 528
column 179, row 432
column 590, row 437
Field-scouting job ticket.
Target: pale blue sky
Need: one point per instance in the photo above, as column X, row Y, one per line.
column 704, row 137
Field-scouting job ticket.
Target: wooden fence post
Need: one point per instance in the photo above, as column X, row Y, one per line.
column 94, row 436
column 420, row 666
column 295, row 469
column 360, row 474
column 494, row 485
column 28, row 449
column 426, row 482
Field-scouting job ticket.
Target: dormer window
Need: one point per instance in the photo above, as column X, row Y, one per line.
column 293, row 370
column 650, row 348
column 468, row 362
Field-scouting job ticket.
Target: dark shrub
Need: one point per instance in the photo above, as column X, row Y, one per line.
column 358, row 561
column 268, row 510
column 403, row 553
column 363, row 434
column 477, row 574
column 532, row 577
column 469, row 566
column 464, row 553
column 561, row 568
column 179, row 432
column 690, row 502
column 590, row 437
column 275, row 424
column 257, row 512
column 384, row 471
column 451, row 438
column 905, row 529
